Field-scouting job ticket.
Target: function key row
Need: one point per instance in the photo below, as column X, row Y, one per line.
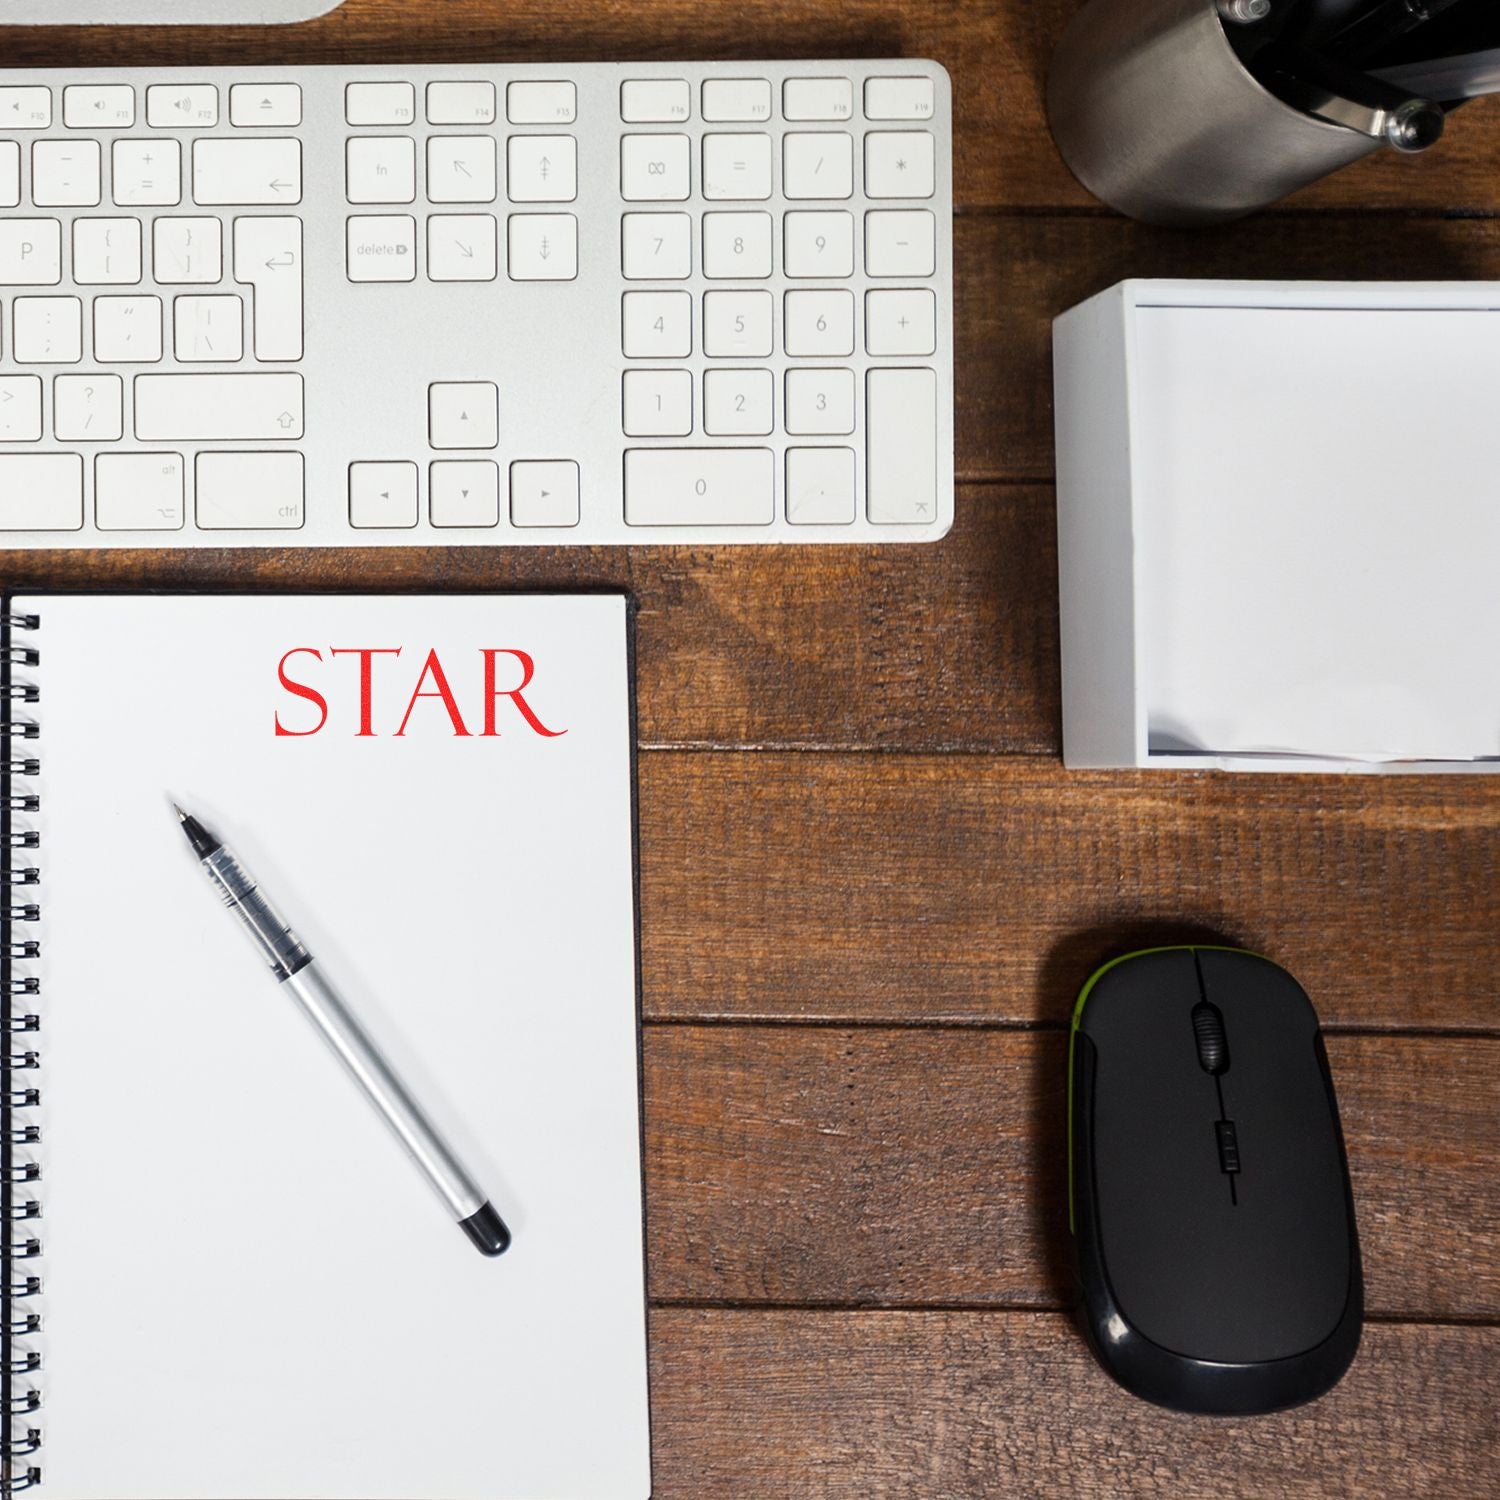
column 646, row 101
column 169, row 106
column 461, row 103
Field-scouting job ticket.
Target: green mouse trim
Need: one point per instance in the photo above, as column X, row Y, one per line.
column 1082, row 1000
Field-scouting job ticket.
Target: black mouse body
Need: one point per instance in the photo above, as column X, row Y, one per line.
column 1209, row 1191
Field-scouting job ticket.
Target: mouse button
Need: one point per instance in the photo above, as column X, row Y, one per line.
column 1252, row 992
column 1134, row 1002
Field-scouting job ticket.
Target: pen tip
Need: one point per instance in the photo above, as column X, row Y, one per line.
column 181, row 816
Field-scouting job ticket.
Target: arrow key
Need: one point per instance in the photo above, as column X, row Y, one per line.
column 541, row 169
column 544, row 493
column 461, row 247
column 543, row 247
column 464, row 492
column 463, row 414
column 383, row 495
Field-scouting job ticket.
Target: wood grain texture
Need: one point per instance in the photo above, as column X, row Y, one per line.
column 996, row 50
column 962, row 1405
column 877, row 1167
column 951, row 888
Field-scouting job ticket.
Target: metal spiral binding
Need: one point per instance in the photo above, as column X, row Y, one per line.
column 20, row 1395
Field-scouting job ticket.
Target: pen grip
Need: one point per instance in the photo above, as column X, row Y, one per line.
column 367, row 1065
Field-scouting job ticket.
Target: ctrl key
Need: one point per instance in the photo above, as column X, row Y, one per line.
column 249, row 491
column 41, row 492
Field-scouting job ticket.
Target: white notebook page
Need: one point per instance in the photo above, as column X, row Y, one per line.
column 249, row 1291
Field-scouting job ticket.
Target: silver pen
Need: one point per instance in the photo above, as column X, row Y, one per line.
column 296, row 971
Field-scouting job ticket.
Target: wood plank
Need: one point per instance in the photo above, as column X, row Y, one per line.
column 880, row 1167
column 1013, row 276
column 955, row 888
column 998, row 54
column 955, row 1405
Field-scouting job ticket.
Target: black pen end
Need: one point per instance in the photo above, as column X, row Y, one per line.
column 487, row 1230
column 203, row 842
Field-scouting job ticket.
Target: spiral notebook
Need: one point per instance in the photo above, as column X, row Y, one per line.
column 223, row 1280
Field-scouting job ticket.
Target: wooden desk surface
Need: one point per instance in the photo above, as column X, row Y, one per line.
column 870, row 892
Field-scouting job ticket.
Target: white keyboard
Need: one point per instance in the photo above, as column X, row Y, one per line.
column 603, row 303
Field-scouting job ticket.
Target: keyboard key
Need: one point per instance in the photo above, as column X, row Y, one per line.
column 542, row 247
column 108, row 107
column 65, row 174
column 543, row 492
column 461, row 169
column 903, row 322
column 249, row 491
column 737, row 325
column 139, row 491
column 127, row 330
column 460, row 104
column 820, row 323
column 899, row 164
column 147, row 174
column 464, row 492
column 655, row 168
column 463, row 414
column 820, row 402
column 380, row 169
column 700, row 487
column 382, row 247
column 383, row 496
column 658, row 403
column 898, row 99
column 532, row 102
column 817, row 99
column 736, row 99
column 818, row 164
column 30, row 252
column 48, row 330
column 820, row 486
column 26, row 108
column 901, row 446
column 736, row 166
column 900, row 242
column 819, row 243
column 541, row 169
column 208, row 330
column 268, row 257
column 737, row 247
column 20, row 408
column 10, row 174
column 88, row 408
column 185, row 251
column 182, row 106
column 738, row 403
column 265, row 104
column 380, row 104
column 261, row 169
column 657, row 325
column 462, row 247
column 646, row 101
column 106, row 252
column 41, row 492
column 657, row 247
column 217, row 408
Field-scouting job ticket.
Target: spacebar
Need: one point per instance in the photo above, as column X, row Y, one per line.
column 209, row 407
column 700, row 487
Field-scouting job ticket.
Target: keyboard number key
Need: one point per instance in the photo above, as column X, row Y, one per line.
column 657, row 325
column 819, row 402
column 381, row 247
column 658, row 403
column 738, row 403
column 737, row 325
column 656, row 247
column 655, row 168
column 899, row 164
column 88, row 408
column 819, row 243
column 820, row 487
column 820, row 324
column 737, row 247
column 700, row 487
column 542, row 247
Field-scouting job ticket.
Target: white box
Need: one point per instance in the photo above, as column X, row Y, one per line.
column 1279, row 526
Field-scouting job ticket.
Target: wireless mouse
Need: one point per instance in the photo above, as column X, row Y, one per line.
column 1209, row 1192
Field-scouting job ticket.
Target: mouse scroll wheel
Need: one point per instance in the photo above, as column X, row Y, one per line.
column 1213, row 1046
